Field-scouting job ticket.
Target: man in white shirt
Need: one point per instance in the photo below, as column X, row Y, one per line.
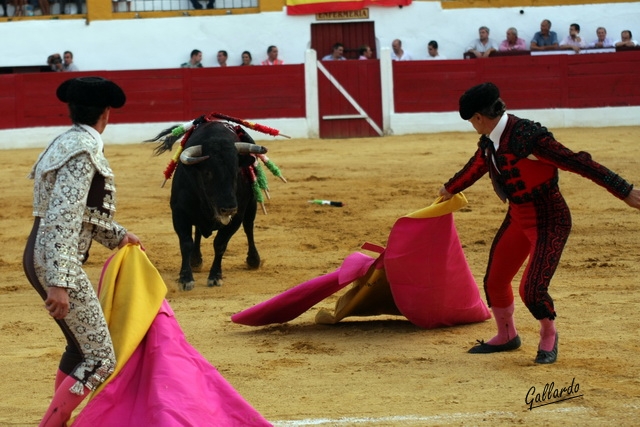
column 626, row 39
column 482, row 46
column 602, row 40
column 573, row 40
column 68, row 64
column 432, row 50
column 397, row 53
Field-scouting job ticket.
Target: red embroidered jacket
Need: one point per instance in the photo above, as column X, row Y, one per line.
column 523, row 179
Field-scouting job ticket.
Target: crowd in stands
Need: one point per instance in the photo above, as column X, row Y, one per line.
column 42, row 7
column 60, row 64
column 545, row 40
column 482, row 47
column 195, row 59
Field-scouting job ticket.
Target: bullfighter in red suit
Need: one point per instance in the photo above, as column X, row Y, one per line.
column 522, row 158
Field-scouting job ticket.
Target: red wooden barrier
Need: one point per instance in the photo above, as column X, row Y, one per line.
column 526, row 82
column 29, row 100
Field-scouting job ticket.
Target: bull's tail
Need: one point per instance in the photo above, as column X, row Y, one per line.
column 166, row 139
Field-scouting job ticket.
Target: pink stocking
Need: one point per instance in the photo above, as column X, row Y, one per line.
column 506, row 326
column 547, row 334
column 63, row 404
column 60, row 376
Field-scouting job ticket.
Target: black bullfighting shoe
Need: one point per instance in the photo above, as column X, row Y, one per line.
column 483, row 348
column 548, row 356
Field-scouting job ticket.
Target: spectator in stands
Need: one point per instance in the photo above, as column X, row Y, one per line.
column 196, row 4
column 602, row 40
column 45, row 7
column 626, row 40
column 272, row 57
column 432, row 50
column 195, row 60
column 545, row 39
column 19, row 6
column 55, row 62
column 116, row 8
column 573, row 40
column 246, row 58
column 365, row 52
column 512, row 42
column 68, row 64
column 482, row 46
column 337, row 53
column 63, row 6
column 399, row 54
column 222, row 58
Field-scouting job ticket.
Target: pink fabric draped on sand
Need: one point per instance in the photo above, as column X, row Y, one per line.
column 160, row 379
column 430, row 278
column 422, row 274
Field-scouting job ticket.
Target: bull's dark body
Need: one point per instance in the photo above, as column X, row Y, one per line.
column 217, row 183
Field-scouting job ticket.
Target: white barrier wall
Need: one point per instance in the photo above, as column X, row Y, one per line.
column 150, row 43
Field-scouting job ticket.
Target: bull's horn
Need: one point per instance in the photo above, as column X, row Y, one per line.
column 192, row 155
column 248, row 148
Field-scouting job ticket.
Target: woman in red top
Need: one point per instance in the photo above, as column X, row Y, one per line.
column 522, row 158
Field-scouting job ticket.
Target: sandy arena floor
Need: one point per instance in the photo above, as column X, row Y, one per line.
column 380, row 371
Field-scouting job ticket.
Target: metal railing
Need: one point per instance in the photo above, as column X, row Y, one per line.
column 10, row 9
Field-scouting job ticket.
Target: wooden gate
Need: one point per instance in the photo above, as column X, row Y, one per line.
column 350, row 101
column 349, row 92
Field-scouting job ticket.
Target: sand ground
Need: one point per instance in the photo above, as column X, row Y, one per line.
column 380, row 371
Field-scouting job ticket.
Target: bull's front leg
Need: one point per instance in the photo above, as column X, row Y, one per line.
column 253, row 257
column 219, row 248
column 185, row 281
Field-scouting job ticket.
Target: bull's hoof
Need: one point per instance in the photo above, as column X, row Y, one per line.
column 187, row 286
column 214, row 282
column 253, row 262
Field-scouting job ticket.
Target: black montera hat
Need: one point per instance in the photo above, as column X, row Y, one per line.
column 478, row 98
column 91, row 92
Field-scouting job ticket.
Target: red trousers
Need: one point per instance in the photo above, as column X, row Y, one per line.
column 535, row 230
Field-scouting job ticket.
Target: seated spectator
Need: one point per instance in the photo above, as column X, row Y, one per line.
column 602, row 40
column 55, row 62
column 246, row 58
column 512, row 42
column 115, row 6
column 573, row 40
column 63, row 6
column 337, row 53
column 432, row 50
column 68, row 64
column 19, row 7
column 195, row 60
column 365, row 52
column 482, row 46
column 626, row 40
column 399, row 54
column 222, row 58
column 545, row 39
column 196, row 4
column 45, row 7
column 272, row 57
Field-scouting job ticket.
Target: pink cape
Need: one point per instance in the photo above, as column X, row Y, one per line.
column 160, row 379
column 295, row 301
column 425, row 267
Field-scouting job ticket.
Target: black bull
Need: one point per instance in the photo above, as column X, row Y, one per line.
column 211, row 191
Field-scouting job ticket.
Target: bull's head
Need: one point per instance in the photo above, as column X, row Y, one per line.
column 193, row 155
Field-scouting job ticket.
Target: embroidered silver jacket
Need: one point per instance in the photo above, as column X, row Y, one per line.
column 74, row 195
